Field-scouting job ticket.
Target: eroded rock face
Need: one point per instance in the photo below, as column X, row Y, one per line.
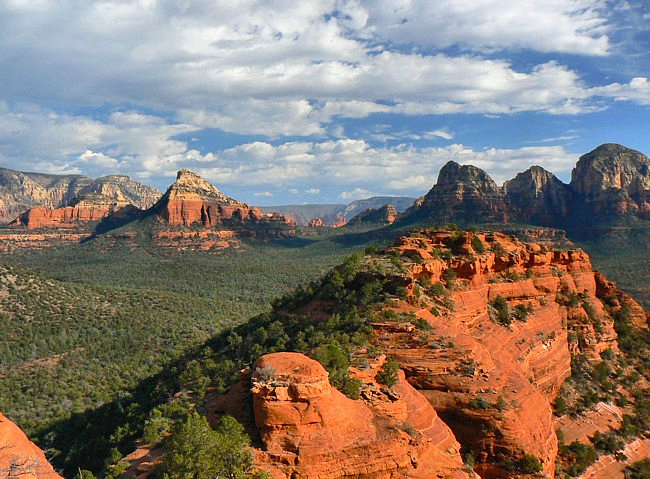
column 316, row 223
column 610, row 181
column 310, row 430
column 20, row 191
column 191, row 199
column 19, row 457
column 386, row 215
column 613, row 179
column 493, row 384
column 538, row 196
column 462, row 193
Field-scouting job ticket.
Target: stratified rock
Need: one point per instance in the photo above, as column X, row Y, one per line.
column 472, row 363
column 463, row 193
column 19, row 457
column 538, row 197
column 613, row 180
column 310, row 430
column 21, row 191
column 191, row 199
column 385, row 215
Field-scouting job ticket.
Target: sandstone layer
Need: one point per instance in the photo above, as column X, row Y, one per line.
column 21, row 191
column 494, row 383
column 192, row 200
column 19, row 457
column 308, row 429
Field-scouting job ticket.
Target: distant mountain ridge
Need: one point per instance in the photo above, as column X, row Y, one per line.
column 609, row 182
column 22, row 191
column 332, row 214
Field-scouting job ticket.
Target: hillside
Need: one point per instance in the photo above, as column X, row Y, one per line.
column 485, row 327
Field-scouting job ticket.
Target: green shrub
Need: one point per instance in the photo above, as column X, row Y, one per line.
column 388, row 374
column 478, row 245
column 196, row 451
column 502, row 310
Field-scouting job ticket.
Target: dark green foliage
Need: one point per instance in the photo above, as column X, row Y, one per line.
column 478, row 245
column 196, row 451
column 638, row 470
column 422, row 324
column 449, row 277
column 560, row 405
column 607, row 443
column 521, row 312
column 337, row 362
column 388, row 374
column 479, row 404
column 528, row 464
column 577, row 457
column 502, row 311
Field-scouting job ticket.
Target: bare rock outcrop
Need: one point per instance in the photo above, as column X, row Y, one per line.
column 613, row 179
column 192, row 199
column 308, row 429
column 21, row 191
column 19, row 457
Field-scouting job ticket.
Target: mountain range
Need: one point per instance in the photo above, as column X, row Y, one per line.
column 610, row 182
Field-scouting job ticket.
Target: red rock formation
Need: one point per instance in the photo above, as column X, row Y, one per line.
column 340, row 222
column 308, row 429
column 191, row 199
column 19, row 457
column 316, row 223
column 67, row 217
column 482, row 363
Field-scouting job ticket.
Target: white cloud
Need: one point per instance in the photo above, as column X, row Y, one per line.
column 575, row 26
column 265, row 194
column 287, row 68
column 356, row 194
column 312, row 191
column 444, row 134
column 294, row 191
column 638, row 90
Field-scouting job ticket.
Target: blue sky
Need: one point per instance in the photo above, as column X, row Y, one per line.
column 319, row 101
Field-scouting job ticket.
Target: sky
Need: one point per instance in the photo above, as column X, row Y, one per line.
column 319, row 101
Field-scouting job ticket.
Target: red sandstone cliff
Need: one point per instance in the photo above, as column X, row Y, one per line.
column 19, row 457
column 308, row 429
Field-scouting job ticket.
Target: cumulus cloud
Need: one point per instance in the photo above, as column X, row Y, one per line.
column 282, row 68
column 637, row 90
column 576, row 26
column 312, row 191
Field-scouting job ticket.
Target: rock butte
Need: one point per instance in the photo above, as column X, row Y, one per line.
column 386, row 215
column 609, row 181
column 20, row 191
column 191, row 199
column 19, row 457
column 525, row 363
